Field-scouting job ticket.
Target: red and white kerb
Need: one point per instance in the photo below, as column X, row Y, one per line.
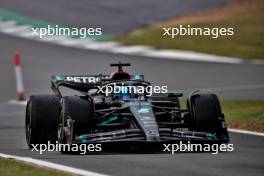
column 19, row 78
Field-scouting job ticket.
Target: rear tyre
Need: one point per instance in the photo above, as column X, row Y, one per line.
column 208, row 116
column 78, row 110
column 41, row 119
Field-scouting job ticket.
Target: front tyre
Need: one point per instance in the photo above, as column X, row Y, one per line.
column 41, row 119
column 208, row 116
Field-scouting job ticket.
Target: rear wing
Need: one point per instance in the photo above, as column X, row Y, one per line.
column 81, row 83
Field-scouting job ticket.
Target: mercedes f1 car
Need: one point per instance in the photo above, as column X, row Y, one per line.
column 128, row 118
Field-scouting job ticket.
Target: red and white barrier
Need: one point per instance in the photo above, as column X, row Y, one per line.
column 19, row 78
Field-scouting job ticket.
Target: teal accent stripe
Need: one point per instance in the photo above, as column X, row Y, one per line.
column 8, row 15
column 111, row 119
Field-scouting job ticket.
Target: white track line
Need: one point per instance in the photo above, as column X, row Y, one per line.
column 190, row 56
column 246, row 132
column 136, row 49
column 14, row 29
column 51, row 165
column 16, row 102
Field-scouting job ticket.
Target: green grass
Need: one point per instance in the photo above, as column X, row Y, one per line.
column 247, row 115
column 247, row 41
column 9, row 167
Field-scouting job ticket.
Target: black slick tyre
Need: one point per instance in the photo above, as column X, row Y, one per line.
column 41, row 119
column 207, row 115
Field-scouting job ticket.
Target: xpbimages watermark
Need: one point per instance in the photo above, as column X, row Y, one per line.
column 66, row 31
column 197, row 31
column 81, row 148
column 191, row 147
column 124, row 89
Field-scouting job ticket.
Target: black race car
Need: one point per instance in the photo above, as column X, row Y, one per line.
column 125, row 117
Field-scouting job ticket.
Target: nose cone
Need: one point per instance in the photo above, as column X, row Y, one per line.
column 144, row 115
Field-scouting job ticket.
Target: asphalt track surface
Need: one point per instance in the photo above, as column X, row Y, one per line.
column 41, row 60
column 114, row 16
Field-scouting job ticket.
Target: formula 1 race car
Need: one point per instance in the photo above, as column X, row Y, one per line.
column 98, row 115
